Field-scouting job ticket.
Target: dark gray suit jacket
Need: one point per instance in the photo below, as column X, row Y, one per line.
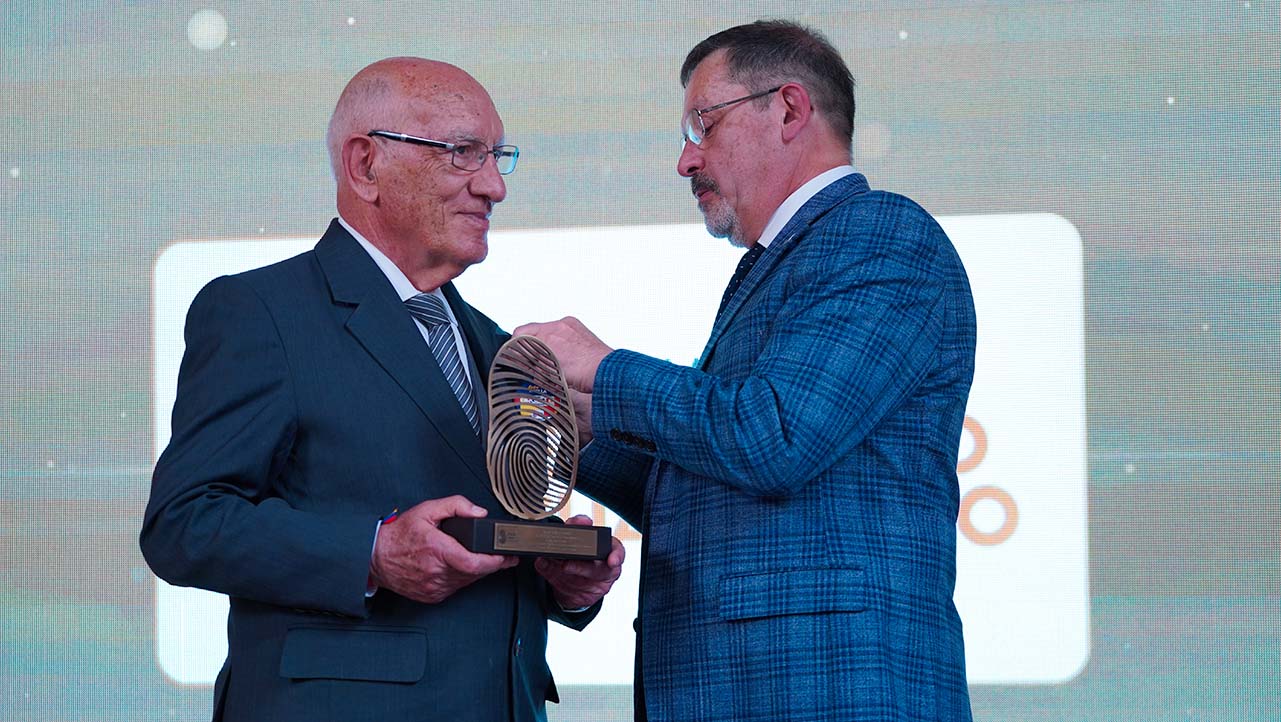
column 309, row 406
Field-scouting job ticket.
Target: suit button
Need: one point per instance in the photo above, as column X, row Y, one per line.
column 518, row 646
column 615, row 434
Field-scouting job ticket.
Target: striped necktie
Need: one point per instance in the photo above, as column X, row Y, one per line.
column 430, row 311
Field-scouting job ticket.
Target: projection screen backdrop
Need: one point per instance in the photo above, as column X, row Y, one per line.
column 1107, row 170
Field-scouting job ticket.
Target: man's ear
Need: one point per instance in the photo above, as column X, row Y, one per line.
column 358, row 155
column 797, row 110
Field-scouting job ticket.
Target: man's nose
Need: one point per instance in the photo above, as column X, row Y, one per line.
column 690, row 161
column 488, row 182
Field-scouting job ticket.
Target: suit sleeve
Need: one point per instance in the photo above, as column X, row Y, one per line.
column 213, row 520
column 615, row 477
column 576, row 621
column 855, row 335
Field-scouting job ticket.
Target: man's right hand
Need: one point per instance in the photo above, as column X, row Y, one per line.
column 582, row 416
column 415, row 559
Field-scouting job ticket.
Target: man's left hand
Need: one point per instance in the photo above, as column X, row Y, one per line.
column 576, row 347
column 578, row 584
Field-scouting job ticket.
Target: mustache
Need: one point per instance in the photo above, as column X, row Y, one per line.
column 699, row 183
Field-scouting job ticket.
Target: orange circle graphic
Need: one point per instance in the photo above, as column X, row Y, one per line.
column 980, row 446
column 1000, row 496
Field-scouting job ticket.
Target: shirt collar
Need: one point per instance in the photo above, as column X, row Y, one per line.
column 398, row 279
column 798, row 198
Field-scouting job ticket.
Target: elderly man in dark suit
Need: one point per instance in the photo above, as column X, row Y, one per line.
column 796, row 490
column 318, row 395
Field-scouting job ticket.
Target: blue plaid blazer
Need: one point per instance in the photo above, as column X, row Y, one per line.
column 797, row 490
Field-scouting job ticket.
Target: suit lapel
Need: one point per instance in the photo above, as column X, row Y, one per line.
column 482, row 345
column 783, row 243
column 388, row 333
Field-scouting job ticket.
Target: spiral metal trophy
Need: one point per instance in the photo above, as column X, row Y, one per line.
column 532, row 456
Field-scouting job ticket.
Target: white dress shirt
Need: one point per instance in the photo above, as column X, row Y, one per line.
column 406, row 290
column 798, row 198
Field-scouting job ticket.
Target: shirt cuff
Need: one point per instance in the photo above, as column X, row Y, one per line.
column 567, row 610
column 370, row 588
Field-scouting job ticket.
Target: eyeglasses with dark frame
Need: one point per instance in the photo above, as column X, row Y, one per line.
column 692, row 127
column 469, row 156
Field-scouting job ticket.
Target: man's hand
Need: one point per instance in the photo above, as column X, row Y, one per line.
column 578, row 584
column 415, row 559
column 576, row 347
column 582, row 415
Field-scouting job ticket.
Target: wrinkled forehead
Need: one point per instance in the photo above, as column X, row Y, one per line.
column 453, row 112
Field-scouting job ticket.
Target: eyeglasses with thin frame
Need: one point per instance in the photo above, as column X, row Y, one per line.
column 469, row 156
column 692, row 127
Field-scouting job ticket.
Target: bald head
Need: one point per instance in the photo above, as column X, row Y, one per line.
column 391, row 94
column 412, row 200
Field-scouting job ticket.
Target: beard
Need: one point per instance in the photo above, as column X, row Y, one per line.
column 718, row 216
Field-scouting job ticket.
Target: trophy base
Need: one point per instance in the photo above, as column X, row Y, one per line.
column 529, row 538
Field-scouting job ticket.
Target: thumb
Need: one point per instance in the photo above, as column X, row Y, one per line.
column 528, row 329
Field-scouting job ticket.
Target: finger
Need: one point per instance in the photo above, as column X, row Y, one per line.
column 588, row 573
column 454, row 556
column 579, row 520
column 617, row 553
column 561, row 572
column 475, row 565
column 573, row 570
column 456, row 505
column 544, row 567
column 529, row 329
column 550, row 567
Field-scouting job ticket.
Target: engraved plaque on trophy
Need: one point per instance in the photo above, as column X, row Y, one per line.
column 532, row 456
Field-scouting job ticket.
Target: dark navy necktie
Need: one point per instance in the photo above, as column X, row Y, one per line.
column 430, row 311
column 744, row 267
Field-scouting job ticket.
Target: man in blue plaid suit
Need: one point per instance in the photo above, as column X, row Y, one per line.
column 797, row 489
